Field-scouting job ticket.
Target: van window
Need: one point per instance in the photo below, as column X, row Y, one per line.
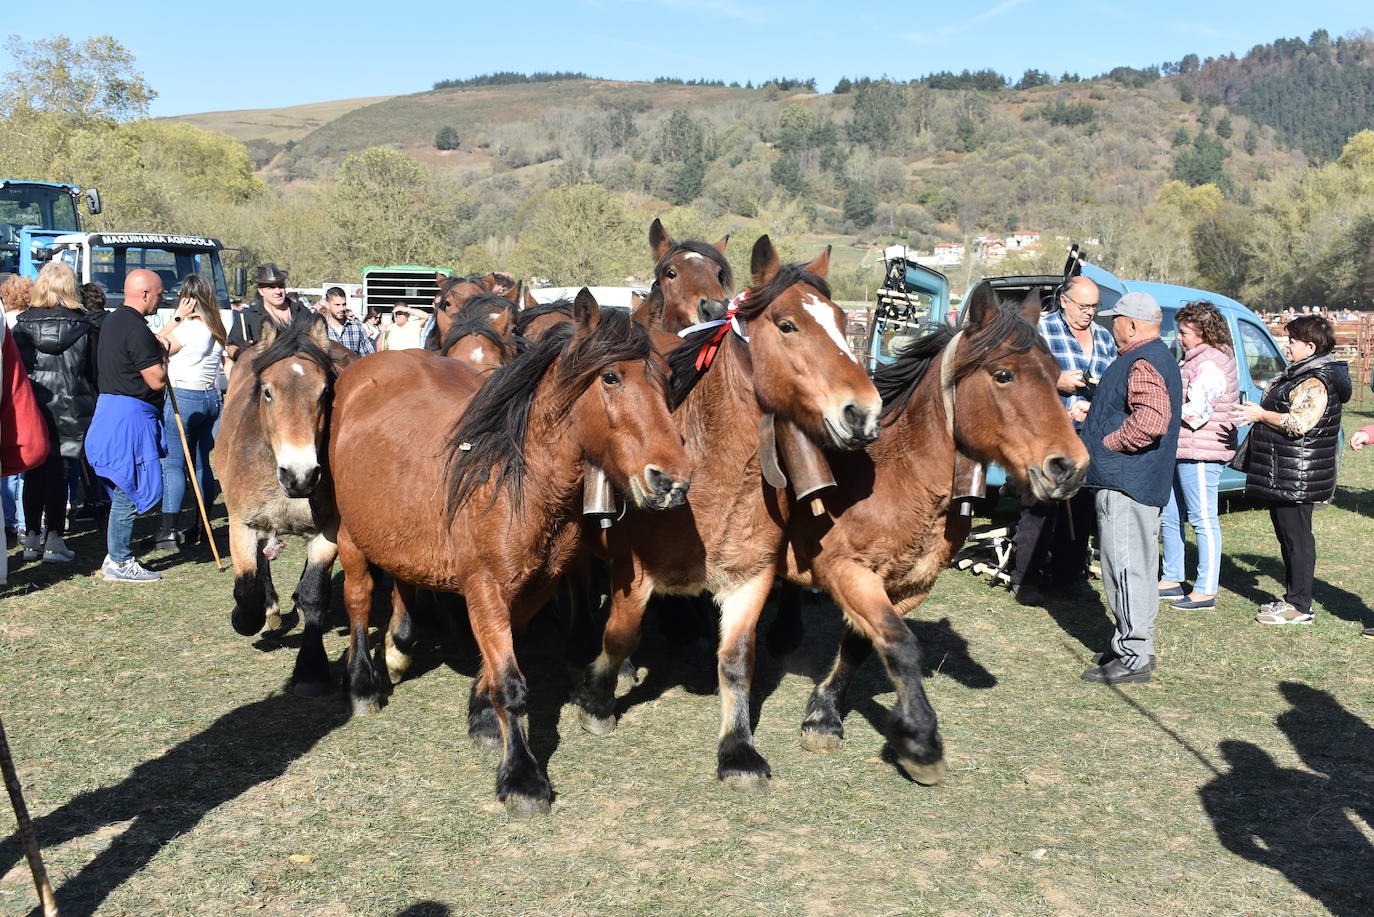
column 1259, row 353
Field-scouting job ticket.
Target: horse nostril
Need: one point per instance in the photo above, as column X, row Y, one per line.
column 858, row 421
column 709, row 311
column 1059, row 468
column 658, row 482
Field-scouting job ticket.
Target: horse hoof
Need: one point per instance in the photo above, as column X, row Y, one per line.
column 820, row 742
column 748, row 784
column 524, row 808
column 484, row 741
column 397, row 664
column 245, row 624
column 924, row 774
column 366, row 706
column 312, row 689
column 273, row 623
column 628, row 677
column 596, row 725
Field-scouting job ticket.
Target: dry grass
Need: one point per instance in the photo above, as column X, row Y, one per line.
column 169, row 775
column 275, row 124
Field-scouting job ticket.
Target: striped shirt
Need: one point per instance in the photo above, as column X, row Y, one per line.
column 1068, row 353
column 1147, row 399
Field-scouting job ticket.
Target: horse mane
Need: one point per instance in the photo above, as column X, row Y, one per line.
column 472, row 320
column 561, row 306
column 682, row 361
column 707, row 251
column 292, row 341
column 1006, row 333
column 488, row 441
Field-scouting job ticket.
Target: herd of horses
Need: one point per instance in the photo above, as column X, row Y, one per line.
column 745, row 440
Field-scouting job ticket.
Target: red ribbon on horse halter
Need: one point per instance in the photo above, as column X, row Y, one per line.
column 708, row 352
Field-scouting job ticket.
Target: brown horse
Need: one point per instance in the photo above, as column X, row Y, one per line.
column 493, row 510
column 482, row 335
column 454, row 292
column 692, row 282
column 890, row 529
column 783, row 354
column 270, row 456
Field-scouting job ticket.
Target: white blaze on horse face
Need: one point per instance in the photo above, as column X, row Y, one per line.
column 690, row 255
column 477, row 354
column 824, row 314
column 299, row 460
column 298, row 369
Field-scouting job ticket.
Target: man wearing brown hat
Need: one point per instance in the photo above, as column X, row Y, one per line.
column 271, row 305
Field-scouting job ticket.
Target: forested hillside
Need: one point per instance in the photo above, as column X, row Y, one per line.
column 557, row 175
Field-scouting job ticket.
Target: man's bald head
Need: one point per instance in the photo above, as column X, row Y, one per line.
column 1080, row 301
column 143, row 291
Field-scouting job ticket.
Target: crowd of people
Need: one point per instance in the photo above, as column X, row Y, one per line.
column 1159, row 430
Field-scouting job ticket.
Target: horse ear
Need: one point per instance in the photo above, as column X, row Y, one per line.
column 443, row 320
column 586, row 312
column 319, row 330
column 530, row 301
column 268, row 332
column 660, row 243
column 982, row 306
column 763, row 262
column 720, row 246
column 512, row 295
column 1029, row 308
column 820, row 265
column 636, row 299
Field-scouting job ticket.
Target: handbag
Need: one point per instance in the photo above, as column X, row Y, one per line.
column 24, row 440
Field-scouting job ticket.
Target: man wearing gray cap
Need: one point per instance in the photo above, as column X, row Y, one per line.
column 1131, row 432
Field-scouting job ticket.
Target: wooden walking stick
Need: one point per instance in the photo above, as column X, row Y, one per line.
column 26, row 835
column 195, row 483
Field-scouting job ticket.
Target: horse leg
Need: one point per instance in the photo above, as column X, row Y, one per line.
column 272, row 612
column 913, row 730
column 823, row 726
column 401, row 633
column 738, row 762
column 363, row 686
column 311, row 676
column 520, row 781
column 484, row 732
column 595, row 694
column 786, row 632
column 250, row 600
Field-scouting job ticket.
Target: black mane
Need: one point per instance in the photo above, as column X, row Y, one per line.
column 489, row 440
column 473, row 320
column 1007, row 333
column 294, row 341
column 682, row 361
column 561, row 306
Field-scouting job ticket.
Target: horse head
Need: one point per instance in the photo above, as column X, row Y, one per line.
column 804, row 370
column 622, row 414
column 1006, row 405
column 293, row 377
column 692, row 282
column 454, row 292
column 482, row 335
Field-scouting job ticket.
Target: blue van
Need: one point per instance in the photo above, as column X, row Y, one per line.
column 1258, row 356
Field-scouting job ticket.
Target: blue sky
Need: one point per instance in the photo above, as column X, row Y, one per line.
column 209, row 57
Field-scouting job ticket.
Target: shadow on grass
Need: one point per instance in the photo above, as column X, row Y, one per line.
column 1244, row 581
column 168, row 796
column 425, row 909
column 1360, row 502
column 1303, row 824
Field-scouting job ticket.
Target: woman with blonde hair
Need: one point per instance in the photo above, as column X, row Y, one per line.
column 58, row 344
column 195, row 340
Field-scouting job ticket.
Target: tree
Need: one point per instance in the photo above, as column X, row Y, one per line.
column 843, row 86
column 1251, row 142
column 1221, row 249
column 386, row 210
column 879, row 111
column 860, row 201
column 1033, row 78
column 1181, row 137
column 1223, row 128
column 1185, row 93
column 446, row 138
column 89, row 81
column 579, row 234
column 1201, row 163
column 786, row 174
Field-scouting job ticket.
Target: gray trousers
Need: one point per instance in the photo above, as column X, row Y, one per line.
column 1128, row 533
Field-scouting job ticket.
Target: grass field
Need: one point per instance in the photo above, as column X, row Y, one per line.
column 276, row 124
column 169, row 774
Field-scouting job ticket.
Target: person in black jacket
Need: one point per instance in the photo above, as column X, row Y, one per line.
column 57, row 342
column 271, row 305
column 1291, row 456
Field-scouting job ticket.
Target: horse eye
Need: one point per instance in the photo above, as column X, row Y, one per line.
column 670, row 273
column 786, row 327
column 721, row 278
column 1004, row 376
column 610, row 377
column 267, row 394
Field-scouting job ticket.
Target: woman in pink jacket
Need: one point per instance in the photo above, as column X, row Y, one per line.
column 1206, row 442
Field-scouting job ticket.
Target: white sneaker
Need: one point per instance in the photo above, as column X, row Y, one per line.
column 32, row 545
column 56, row 551
column 131, row 571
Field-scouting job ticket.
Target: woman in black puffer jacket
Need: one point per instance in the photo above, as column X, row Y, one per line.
column 1293, row 455
column 57, row 342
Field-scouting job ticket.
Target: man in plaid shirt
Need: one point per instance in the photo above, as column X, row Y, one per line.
column 1058, row 531
column 347, row 331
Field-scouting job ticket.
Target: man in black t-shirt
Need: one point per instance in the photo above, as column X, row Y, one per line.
column 124, row 443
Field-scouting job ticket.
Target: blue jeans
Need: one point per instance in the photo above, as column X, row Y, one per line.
column 12, row 496
column 1195, row 488
column 119, row 530
column 199, row 413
